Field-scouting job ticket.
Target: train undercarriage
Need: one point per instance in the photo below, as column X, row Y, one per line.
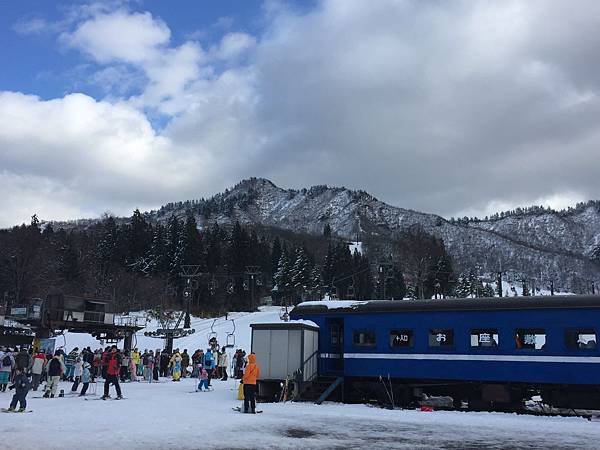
column 470, row 395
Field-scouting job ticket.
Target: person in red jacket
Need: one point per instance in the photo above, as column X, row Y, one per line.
column 112, row 373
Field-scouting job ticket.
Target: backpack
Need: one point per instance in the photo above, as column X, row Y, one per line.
column 145, row 360
column 6, row 361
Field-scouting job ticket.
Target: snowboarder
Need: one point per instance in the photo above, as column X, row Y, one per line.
column 251, row 374
column 21, row 385
column 112, row 373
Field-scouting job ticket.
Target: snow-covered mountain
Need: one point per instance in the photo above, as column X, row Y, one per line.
column 541, row 244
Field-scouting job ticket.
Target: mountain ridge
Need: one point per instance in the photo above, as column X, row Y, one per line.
column 533, row 242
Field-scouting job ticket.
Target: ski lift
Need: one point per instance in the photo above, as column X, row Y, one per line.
column 230, row 341
column 246, row 286
column 212, row 334
column 259, row 281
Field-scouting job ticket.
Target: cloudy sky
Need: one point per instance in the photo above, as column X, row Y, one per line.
column 451, row 107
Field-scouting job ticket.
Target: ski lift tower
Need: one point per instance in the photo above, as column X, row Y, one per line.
column 253, row 273
column 171, row 330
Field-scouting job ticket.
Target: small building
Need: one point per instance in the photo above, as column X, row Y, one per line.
column 285, row 351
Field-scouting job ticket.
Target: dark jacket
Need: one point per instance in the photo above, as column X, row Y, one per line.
column 185, row 359
column 21, row 384
column 22, row 360
column 55, row 367
column 164, row 359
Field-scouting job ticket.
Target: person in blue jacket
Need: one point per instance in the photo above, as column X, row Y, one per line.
column 21, row 385
column 209, row 363
column 85, row 378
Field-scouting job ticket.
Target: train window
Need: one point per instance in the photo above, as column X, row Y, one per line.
column 364, row 338
column 580, row 339
column 530, row 338
column 484, row 337
column 441, row 337
column 401, row 338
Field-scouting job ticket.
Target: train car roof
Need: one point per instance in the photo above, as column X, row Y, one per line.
column 449, row 304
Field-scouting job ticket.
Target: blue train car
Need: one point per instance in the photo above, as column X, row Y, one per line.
column 490, row 351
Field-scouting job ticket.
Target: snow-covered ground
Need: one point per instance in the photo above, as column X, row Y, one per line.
column 170, row 415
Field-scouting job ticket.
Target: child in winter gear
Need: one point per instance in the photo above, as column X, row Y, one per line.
column 21, row 385
column 77, row 371
column 203, row 377
column 85, row 378
column 209, row 363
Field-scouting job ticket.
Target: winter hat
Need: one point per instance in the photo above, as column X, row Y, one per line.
column 86, row 365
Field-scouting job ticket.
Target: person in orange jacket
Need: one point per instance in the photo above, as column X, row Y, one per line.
column 251, row 374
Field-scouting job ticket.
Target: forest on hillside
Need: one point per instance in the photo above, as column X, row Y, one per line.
column 144, row 265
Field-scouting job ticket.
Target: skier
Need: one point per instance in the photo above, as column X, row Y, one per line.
column 203, row 377
column 175, row 364
column 85, row 378
column 38, row 366
column 112, row 373
column 6, row 365
column 223, row 362
column 251, row 374
column 70, row 363
column 77, row 372
column 56, row 369
column 209, row 363
column 21, row 385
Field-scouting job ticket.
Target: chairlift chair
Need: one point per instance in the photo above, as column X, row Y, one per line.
column 212, row 334
column 230, row 340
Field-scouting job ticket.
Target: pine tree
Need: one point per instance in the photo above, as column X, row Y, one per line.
column 301, row 271
column 157, row 255
column 283, row 276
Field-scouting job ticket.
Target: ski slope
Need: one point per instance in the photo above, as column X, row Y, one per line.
column 198, row 340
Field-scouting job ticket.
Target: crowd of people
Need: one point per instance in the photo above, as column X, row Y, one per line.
column 25, row 369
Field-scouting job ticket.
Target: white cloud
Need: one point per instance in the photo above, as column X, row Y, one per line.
column 119, row 36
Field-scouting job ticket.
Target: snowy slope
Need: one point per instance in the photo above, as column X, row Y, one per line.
column 195, row 341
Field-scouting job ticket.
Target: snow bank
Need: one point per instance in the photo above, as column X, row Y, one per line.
column 335, row 304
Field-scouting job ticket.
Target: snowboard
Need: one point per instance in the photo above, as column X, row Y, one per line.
column 239, row 409
column 6, row 410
